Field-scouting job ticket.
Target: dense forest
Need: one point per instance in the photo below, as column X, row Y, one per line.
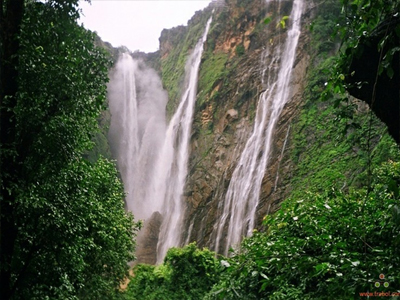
column 65, row 230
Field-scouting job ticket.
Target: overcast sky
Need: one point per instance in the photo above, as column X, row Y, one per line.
column 137, row 24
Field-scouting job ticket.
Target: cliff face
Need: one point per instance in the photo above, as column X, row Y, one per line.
column 229, row 87
column 315, row 147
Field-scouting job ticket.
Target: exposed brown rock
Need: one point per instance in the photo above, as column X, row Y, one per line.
column 147, row 240
column 214, row 155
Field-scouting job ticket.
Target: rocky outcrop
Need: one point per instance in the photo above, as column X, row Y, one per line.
column 380, row 90
column 147, row 240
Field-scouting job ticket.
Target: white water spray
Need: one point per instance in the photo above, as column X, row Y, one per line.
column 137, row 103
column 242, row 198
column 280, row 158
column 151, row 158
column 174, row 156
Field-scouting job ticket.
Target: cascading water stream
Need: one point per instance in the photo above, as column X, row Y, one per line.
column 151, row 158
column 137, row 104
column 124, row 103
column 280, row 158
column 242, row 197
column 173, row 159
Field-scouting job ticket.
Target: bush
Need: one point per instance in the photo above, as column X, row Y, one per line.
column 240, row 50
column 320, row 245
column 187, row 273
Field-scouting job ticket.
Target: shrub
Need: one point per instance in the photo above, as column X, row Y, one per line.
column 240, row 50
column 187, row 273
column 322, row 244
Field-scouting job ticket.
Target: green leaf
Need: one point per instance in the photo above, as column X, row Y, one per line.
column 390, row 72
column 267, row 20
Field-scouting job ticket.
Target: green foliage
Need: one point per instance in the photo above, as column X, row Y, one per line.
column 239, row 50
column 321, row 244
column 282, row 22
column 187, row 273
column 101, row 147
column 75, row 234
column 59, row 55
column 212, row 72
column 363, row 19
column 335, row 141
column 267, row 20
column 332, row 141
column 64, row 230
column 173, row 63
column 333, row 149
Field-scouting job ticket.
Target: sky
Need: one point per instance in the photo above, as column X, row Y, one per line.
column 137, row 24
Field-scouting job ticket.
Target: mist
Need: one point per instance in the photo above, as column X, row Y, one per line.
column 137, row 103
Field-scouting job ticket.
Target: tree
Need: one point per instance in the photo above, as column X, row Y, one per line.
column 10, row 23
column 64, row 231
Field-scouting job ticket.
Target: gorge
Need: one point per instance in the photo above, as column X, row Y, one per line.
column 213, row 182
column 153, row 157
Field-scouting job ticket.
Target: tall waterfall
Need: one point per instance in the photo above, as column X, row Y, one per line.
column 137, row 103
column 152, row 158
column 242, row 197
column 173, row 158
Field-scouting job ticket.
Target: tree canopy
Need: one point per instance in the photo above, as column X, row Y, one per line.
column 64, row 231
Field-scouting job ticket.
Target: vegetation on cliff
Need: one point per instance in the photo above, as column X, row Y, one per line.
column 336, row 139
column 177, row 45
column 64, row 230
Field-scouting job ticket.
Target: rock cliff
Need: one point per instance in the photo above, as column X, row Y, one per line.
column 229, row 87
column 313, row 147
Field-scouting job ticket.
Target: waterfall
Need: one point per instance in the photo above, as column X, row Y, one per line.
column 280, row 158
column 137, row 104
column 124, row 103
column 173, row 159
column 151, row 157
column 242, row 197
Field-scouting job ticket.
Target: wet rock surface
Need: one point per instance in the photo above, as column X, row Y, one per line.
column 215, row 150
column 147, row 240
